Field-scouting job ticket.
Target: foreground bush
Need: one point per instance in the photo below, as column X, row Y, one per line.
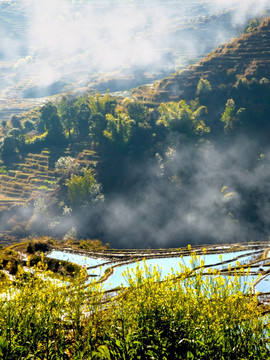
column 189, row 315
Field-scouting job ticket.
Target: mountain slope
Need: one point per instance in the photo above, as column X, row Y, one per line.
column 247, row 56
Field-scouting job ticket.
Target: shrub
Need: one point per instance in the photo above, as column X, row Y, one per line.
column 84, row 189
column 193, row 314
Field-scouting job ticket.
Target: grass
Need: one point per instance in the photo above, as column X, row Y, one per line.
column 186, row 316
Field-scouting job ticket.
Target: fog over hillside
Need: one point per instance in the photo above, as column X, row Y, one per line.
column 59, row 42
column 204, row 181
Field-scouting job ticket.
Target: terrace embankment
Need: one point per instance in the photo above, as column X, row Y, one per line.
column 139, row 254
column 247, row 56
column 35, row 174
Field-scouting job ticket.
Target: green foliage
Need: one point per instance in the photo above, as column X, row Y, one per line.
column 8, row 147
column 90, row 245
column 67, row 113
column 99, row 107
column 14, row 132
column 137, row 111
column 101, row 104
column 98, row 124
column 183, row 118
column 36, row 143
column 51, row 120
column 204, row 88
column 252, row 25
column 232, row 118
column 241, row 84
column 118, row 129
column 34, row 246
column 189, row 315
column 15, row 122
column 83, row 117
column 28, row 125
column 84, row 189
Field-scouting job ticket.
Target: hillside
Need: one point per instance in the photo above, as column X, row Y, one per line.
column 173, row 36
column 247, row 56
column 158, row 175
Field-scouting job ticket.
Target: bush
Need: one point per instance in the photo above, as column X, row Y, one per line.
column 85, row 189
column 37, row 246
column 188, row 315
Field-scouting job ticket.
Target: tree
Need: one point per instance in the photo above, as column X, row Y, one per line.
column 204, row 88
column 231, row 117
column 183, row 118
column 97, row 126
column 50, row 116
column 51, row 120
column 67, row 165
column 84, row 189
column 141, row 132
column 15, row 132
column 8, row 147
column 4, row 126
column 28, row 125
column 118, row 130
column 137, row 111
column 15, row 122
column 67, row 111
column 252, row 25
column 102, row 104
column 83, row 116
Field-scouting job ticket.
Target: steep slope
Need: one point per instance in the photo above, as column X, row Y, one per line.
column 35, row 175
column 247, row 56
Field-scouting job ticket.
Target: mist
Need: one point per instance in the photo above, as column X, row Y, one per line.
column 192, row 194
column 204, row 193
column 66, row 44
column 196, row 196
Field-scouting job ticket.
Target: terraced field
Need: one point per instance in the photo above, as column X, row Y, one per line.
column 114, row 263
column 35, row 175
column 247, row 56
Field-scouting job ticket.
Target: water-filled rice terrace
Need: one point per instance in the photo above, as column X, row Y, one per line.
column 110, row 267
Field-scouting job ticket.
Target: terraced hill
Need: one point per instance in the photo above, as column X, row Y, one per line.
column 247, row 56
column 35, row 175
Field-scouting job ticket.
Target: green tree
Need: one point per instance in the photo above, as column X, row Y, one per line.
column 84, row 189
column 118, row 130
column 252, row 25
column 8, row 147
column 98, row 124
column 137, row 111
column 231, row 117
column 83, row 116
column 141, row 132
column 15, row 122
column 50, row 118
column 183, row 118
column 204, row 88
column 102, row 104
column 28, row 125
column 67, row 113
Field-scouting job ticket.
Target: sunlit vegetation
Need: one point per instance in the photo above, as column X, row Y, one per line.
column 83, row 189
column 29, row 254
column 62, row 159
column 189, row 315
column 91, row 168
column 184, row 119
